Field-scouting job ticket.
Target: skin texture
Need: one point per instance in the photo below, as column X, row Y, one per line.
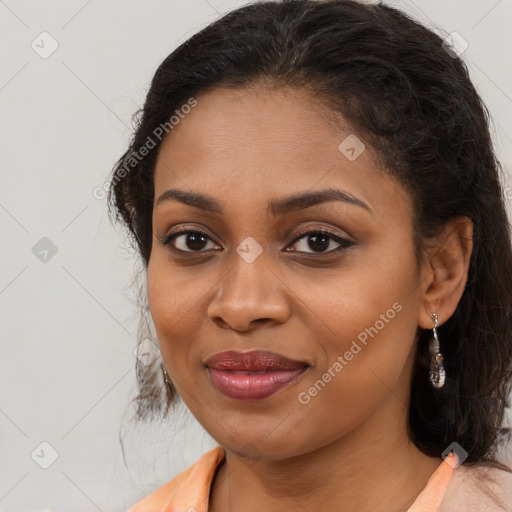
column 349, row 444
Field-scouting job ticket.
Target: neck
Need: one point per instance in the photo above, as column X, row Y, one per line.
column 374, row 468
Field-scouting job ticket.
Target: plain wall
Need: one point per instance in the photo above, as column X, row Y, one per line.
column 68, row 323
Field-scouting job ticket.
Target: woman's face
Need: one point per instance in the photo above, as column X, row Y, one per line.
column 346, row 307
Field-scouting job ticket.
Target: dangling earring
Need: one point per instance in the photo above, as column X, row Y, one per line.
column 167, row 379
column 437, row 372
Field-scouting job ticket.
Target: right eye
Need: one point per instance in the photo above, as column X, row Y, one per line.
column 187, row 241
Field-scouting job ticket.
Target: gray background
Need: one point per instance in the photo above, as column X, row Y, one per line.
column 68, row 323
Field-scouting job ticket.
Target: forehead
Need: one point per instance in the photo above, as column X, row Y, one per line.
column 257, row 121
column 261, row 142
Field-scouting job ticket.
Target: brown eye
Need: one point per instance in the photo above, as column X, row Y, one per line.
column 188, row 241
column 320, row 241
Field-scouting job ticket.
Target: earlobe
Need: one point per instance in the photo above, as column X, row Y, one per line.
column 448, row 261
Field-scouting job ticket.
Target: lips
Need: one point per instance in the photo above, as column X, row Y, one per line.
column 252, row 375
column 254, row 361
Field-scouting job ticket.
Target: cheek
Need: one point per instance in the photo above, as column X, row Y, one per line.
column 178, row 301
column 342, row 304
column 364, row 363
column 171, row 294
column 172, row 303
column 369, row 319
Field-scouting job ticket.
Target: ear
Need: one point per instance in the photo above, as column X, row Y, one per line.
column 445, row 271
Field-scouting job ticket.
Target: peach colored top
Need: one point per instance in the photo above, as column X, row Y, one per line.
column 190, row 490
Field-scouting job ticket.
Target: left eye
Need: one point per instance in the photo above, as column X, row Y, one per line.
column 321, row 240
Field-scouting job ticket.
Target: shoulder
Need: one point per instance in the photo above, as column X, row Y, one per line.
column 187, row 491
column 479, row 488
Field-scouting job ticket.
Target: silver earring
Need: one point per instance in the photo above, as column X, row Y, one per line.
column 437, row 371
column 167, row 379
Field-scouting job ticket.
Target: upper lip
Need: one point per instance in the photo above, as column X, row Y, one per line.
column 253, row 361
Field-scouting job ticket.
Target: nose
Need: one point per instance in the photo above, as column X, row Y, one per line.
column 249, row 294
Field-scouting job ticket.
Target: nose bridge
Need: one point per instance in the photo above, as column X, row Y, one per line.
column 249, row 291
column 247, row 277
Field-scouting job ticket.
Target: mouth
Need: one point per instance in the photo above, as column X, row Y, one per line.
column 253, row 375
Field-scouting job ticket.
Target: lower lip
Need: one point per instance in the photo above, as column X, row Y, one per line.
column 252, row 386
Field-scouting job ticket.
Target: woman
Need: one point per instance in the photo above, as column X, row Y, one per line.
column 313, row 192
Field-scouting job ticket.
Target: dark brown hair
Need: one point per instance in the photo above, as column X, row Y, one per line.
column 395, row 83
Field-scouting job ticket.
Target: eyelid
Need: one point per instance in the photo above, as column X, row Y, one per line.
column 322, row 230
column 167, row 239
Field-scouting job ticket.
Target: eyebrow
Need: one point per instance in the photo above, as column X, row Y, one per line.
column 275, row 207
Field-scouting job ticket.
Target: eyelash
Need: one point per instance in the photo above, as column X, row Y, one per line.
column 344, row 243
